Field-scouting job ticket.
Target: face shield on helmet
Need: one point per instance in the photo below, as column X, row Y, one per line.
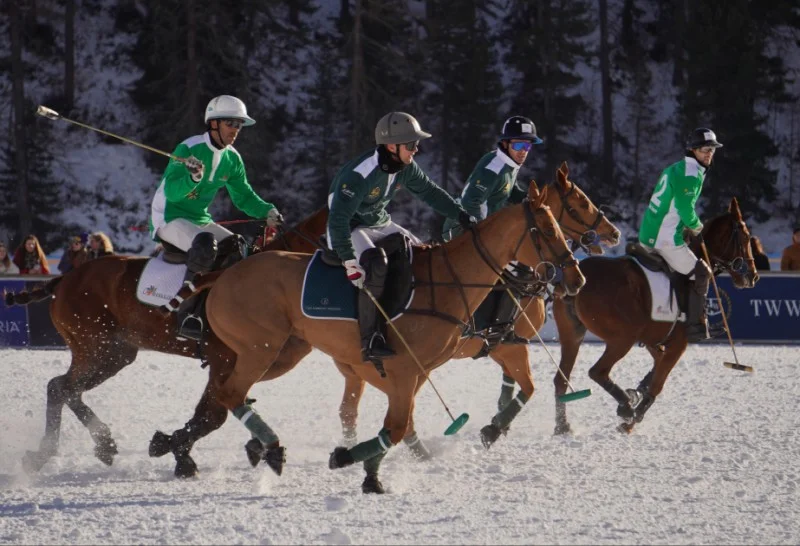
column 228, row 107
column 398, row 128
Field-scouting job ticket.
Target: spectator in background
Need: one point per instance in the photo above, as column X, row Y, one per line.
column 7, row 267
column 74, row 255
column 99, row 245
column 759, row 256
column 30, row 258
column 790, row 260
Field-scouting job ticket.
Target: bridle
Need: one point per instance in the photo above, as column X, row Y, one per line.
column 740, row 264
column 552, row 273
column 586, row 238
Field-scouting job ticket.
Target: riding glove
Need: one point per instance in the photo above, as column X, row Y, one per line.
column 355, row 273
column 274, row 218
column 195, row 168
column 466, row 220
column 690, row 235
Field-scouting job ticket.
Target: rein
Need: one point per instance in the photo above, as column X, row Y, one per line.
column 536, row 287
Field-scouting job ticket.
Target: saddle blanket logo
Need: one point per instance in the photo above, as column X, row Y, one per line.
column 159, row 282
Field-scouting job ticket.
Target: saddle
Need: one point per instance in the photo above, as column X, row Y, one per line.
column 679, row 284
column 399, row 280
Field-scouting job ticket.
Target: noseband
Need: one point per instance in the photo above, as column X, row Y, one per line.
column 583, row 239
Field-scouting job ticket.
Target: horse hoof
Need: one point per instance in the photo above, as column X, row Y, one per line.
column 490, row 434
column 275, row 457
column 33, row 461
column 255, row 450
column 185, row 467
column 562, row 428
column 627, row 428
column 159, row 444
column 105, row 450
column 372, row 484
column 340, row 458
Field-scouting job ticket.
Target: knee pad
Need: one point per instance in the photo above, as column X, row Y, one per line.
column 201, row 255
column 230, row 250
column 375, row 263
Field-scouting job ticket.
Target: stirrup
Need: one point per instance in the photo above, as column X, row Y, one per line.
column 377, row 347
column 697, row 332
column 513, row 339
column 191, row 328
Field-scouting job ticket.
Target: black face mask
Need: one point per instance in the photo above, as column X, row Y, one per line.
column 388, row 162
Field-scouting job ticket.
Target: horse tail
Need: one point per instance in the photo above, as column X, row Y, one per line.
column 192, row 287
column 38, row 294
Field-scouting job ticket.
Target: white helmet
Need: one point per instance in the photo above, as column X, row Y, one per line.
column 228, row 107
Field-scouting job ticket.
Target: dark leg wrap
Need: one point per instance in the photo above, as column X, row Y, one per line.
column 199, row 259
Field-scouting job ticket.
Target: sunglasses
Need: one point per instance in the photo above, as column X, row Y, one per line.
column 411, row 146
column 708, row 150
column 233, row 123
column 523, row 146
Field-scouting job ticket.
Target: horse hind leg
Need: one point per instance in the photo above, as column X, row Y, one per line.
column 348, row 408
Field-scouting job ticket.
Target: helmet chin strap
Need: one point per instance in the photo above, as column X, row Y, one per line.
column 211, row 131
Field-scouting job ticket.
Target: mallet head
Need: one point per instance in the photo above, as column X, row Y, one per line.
column 47, row 112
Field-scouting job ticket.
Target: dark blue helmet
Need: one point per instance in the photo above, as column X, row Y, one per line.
column 701, row 137
column 520, row 128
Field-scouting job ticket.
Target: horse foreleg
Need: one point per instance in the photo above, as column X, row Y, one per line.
column 395, row 426
column 348, row 409
column 418, row 449
column 516, row 366
column 208, row 416
column 571, row 333
column 600, row 373
column 653, row 383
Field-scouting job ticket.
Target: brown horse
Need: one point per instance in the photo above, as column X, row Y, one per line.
column 580, row 220
column 257, row 320
column 96, row 311
column 615, row 306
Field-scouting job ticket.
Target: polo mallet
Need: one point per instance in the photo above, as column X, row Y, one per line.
column 567, row 397
column 456, row 425
column 49, row 113
column 732, row 365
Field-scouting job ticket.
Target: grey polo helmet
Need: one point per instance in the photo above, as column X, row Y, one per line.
column 398, row 128
column 702, row 137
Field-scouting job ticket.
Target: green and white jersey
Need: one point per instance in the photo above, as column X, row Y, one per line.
column 671, row 207
column 361, row 191
column 491, row 186
column 178, row 196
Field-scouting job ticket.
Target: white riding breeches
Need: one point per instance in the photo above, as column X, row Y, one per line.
column 365, row 237
column 181, row 233
column 679, row 258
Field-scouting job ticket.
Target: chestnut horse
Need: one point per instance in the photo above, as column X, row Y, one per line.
column 615, row 306
column 581, row 221
column 96, row 311
column 457, row 277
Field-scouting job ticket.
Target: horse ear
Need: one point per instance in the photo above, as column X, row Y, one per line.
column 540, row 198
column 561, row 176
column 734, row 208
column 564, row 169
column 533, row 191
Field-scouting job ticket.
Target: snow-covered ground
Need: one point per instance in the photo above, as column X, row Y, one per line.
column 714, row 462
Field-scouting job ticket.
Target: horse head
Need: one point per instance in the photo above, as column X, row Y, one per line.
column 728, row 242
column 579, row 218
column 548, row 248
